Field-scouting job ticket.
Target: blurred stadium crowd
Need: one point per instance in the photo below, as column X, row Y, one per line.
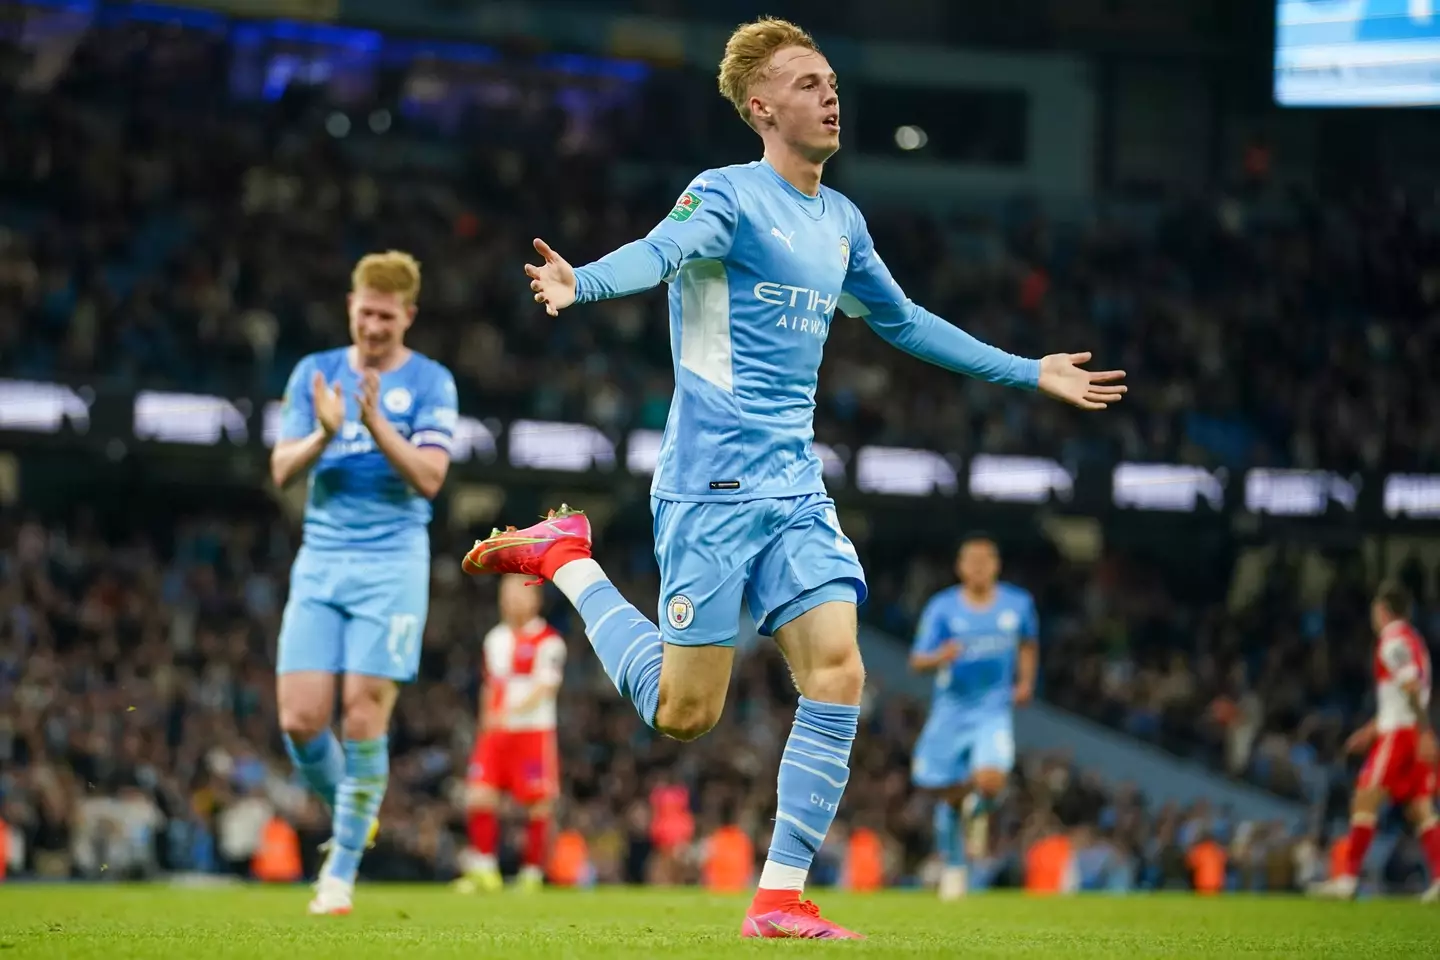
column 162, row 231
column 155, row 231
column 137, row 658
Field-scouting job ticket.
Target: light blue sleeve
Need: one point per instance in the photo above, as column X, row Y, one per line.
column 297, row 409
column 437, row 412
column 930, row 633
column 701, row 225
column 872, row 293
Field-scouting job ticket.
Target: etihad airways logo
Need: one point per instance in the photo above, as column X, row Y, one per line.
column 797, row 298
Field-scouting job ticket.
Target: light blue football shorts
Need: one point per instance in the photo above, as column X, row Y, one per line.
column 355, row 614
column 783, row 556
column 951, row 749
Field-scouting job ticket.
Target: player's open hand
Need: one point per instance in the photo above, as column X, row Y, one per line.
column 329, row 404
column 369, row 398
column 1427, row 751
column 553, row 281
column 1023, row 694
column 1062, row 377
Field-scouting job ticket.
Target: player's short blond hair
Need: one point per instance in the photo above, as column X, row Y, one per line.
column 747, row 57
column 393, row 271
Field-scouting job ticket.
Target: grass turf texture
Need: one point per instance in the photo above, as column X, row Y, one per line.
column 416, row 922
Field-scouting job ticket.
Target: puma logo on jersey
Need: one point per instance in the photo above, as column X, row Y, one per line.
column 783, row 238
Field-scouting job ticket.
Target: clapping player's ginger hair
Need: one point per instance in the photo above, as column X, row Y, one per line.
column 393, row 271
column 747, row 57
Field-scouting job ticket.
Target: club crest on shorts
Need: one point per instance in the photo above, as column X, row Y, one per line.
column 397, row 400
column 844, row 253
column 680, row 611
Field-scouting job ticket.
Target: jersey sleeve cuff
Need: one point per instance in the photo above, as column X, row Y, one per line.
column 584, row 287
column 433, row 438
column 1029, row 373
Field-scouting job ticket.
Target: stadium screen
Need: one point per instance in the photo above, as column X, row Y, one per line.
column 1357, row 53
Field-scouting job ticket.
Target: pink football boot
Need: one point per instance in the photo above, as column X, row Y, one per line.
column 563, row 536
column 790, row 918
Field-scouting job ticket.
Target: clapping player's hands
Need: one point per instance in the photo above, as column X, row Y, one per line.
column 329, row 404
column 553, row 281
column 369, row 398
column 1062, row 377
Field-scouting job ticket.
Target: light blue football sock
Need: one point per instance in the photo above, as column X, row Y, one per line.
column 813, row 772
column 357, row 804
column 948, row 842
column 628, row 645
column 321, row 761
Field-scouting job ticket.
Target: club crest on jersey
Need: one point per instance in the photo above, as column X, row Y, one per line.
column 397, row 400
column 680, row 611
column 844, row 253
column 686, row 206
column 1008, row 620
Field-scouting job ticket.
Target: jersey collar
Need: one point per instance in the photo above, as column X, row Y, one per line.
column 814, row 207
column 971, row 607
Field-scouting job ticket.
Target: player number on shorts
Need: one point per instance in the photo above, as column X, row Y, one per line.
column 404, row 631
column 842, row 542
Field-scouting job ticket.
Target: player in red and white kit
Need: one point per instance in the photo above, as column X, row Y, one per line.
column 515, row 749
column 1402, row 765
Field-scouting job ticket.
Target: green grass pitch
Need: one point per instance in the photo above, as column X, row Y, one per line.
column 417, row 923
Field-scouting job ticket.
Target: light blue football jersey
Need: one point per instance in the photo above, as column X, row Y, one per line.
column 355, row 496
column 757, row 270
column 982, row 679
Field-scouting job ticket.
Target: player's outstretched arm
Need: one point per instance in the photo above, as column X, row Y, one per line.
column 871, row 292
column 634, row 268
column 701, row 225
column 309, row 420
column 922, row 334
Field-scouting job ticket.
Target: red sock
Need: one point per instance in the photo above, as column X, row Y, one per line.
column 1430, row 843
column 537, row 837
column 564, row 551
column 766, row 901
column 1361, row 834
column 484, row 830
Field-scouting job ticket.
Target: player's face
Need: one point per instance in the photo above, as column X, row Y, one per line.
column 802, row 98
column 518, row 603
column 978, row 565
column 378, row 322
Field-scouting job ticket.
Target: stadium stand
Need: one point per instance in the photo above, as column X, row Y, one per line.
column 161, row 227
